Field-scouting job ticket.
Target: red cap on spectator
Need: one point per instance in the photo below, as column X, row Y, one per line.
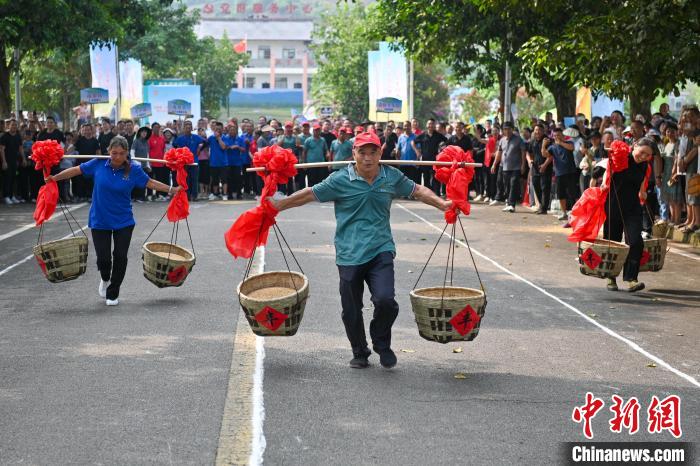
column 345, row 130
column 316, row 126
column 363, row 139
column 306, row 123
column 359, row 129
column 288, row 124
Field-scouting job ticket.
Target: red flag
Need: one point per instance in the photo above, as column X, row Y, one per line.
column 240, row 47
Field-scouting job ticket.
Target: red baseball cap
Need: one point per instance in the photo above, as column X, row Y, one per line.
column 363, row 139
column 316, row 126
column 306, row 123
column 344, row 130
column 288, row 124
column 359, row 129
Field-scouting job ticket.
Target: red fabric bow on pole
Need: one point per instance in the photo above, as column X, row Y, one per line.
column 177, row 160
column 46, row 155
column 456, row 179
column 588, row 214
column 251, row 228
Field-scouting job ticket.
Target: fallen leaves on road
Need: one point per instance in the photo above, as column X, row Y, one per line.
column 679, row 334
column 457, row 350
column 593, row 315
column 651, row 364
column 460, row 375
column 406, row 350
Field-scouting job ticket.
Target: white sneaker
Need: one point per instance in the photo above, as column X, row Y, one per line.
column 112, row 302
column 534, row 208
column 563, row 216
column 102, row 290
column 15, row 200
column 494, row 202
column 646, row 235
column 478, row 198
column 487, row 199
column 8, row 201
column 508, row 208
column 224, row 197
column 213, row 197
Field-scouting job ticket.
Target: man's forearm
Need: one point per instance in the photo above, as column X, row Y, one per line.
column 297, row 199
column 427, row 196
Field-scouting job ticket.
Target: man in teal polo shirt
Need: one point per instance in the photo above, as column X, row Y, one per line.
column 364, row 247
column 315, row 150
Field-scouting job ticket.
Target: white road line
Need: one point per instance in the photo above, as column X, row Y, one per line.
column 28, row 226
column 612, row 333
column 684, row 254
column 20, row 262
column 258, row 447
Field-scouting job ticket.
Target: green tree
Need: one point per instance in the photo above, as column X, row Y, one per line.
column 216, row 67
column 634, row 49
column 430, row 93
column 476, row 38
column 37, row 26
column 340, row 44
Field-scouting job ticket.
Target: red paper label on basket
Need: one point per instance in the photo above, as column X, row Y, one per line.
column 591, row 258
column 270, row 318
column 42, row 264
column 465, row 321
column 177, row 274
column 645, row 257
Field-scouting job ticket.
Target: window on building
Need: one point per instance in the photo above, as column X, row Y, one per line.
column 249, row 82
column 235, row 85
column 280, row 83
column 265, row 85
column 297, row 85
column 289, row 53
column 263, row 51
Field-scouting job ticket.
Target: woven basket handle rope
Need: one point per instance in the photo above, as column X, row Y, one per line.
column 450, row 264
column 66, row 213
column 173, row 235
column 278, row 233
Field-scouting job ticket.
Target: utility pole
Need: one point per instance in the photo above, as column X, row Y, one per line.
column 506, row 95
column 410, row 89
column 18, row 94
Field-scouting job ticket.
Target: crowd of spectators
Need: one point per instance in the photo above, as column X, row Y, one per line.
column 530, row 165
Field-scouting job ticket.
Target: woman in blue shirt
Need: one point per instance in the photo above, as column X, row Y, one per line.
column 110, row 213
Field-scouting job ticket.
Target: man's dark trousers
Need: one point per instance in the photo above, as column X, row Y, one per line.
column 379, row 276
column 511, row 179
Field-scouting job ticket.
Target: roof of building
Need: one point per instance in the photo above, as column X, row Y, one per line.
column 256, row 30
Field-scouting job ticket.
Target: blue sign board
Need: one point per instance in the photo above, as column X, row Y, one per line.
column 179, row 107
column 94, row 95
column 389, row 105
column 142, row 110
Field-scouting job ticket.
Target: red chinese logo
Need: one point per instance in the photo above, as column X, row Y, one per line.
column 626, row 415
column 270, row 318
column 665, row 415
column 208, row 9
column 257, row 8
column 465, row 321
column 177, row 274
column 591, row 258
column 307, row 8
column 225, row 8
column 274, row 8
column 587, row 412
column 240, row 7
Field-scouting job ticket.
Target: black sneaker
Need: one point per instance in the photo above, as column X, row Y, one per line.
column 387, row 358
column 360, row 361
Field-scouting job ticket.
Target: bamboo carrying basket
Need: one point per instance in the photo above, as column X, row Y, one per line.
column 612, row 254
column 656, row 249
column 64, row 259
column 291, row 304
column 166, row 264
column 435, row 307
